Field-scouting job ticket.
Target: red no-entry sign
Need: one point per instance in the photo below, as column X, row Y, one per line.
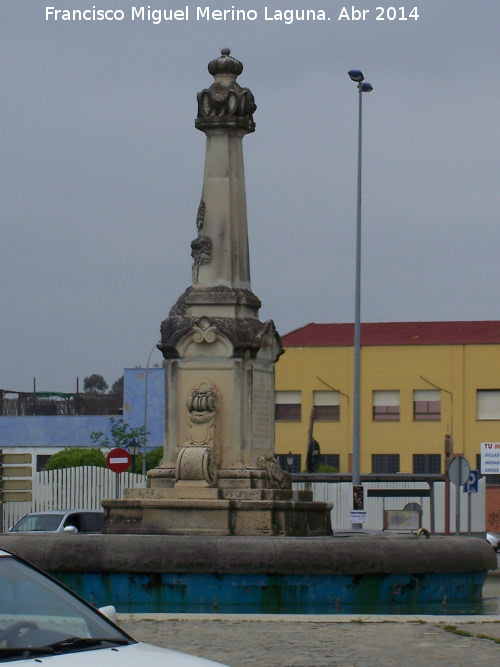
column 118, row 460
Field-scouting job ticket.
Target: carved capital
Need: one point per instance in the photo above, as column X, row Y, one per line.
column 247, row 336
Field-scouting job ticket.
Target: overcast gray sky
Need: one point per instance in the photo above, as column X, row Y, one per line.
column 103, row 169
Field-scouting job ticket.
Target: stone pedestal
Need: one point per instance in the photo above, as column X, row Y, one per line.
column 215, row 511
column 219, row 475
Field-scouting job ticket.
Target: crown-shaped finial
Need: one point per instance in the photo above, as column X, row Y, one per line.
column 225, row 100
column 225, row 64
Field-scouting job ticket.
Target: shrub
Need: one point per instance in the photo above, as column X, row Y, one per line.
column 323, row 467
column 73, row 457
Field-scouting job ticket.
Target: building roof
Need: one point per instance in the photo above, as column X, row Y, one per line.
column 395, row 333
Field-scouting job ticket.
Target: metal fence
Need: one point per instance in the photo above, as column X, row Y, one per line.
column 70, row 488
column 433, row 508
column 21, row 404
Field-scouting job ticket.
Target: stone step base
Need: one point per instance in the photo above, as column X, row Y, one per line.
column 209, row 516
column 203, row 492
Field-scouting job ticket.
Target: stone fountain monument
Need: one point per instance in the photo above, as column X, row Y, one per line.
column 219, row 475
column 219, row 525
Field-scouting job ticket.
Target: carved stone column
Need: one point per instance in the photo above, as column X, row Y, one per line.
column 220, row 251
column 213, row 332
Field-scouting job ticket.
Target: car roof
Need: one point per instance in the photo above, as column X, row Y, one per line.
column 63, row 512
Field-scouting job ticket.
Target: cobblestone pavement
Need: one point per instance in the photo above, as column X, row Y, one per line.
column 326, row 641
column 312, row 641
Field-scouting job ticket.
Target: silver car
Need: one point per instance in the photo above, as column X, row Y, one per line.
column 493, row 539
column 42, row 621
column 61, row 521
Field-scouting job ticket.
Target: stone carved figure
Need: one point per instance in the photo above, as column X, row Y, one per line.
column 200, row 216
column 276, row 477
column 202, row 416
column 225, row 97
column 200, row 456
column 201, row 252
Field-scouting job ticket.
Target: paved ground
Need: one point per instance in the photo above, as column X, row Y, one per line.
column 323, row 641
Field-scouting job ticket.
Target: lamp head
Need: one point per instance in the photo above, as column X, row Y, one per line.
column 134, row 447
column 366, row 87
column 356, row 75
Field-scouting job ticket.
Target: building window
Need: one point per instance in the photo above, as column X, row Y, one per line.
column 488, row 403
column 290, row 462
column 385, row 463
column 491, row 480
column 427, row 405
column 326, row 406
column 427, row 464
column 287, row 406
column 330, row 460
column 386, row 405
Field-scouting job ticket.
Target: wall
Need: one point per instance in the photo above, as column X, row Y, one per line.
column 134, row 401
column 56, row 431
column 459, row 370
column 493, row 508
column 46, row 435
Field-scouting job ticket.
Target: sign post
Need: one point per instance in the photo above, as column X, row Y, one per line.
column 448, row 451
column 458, row 471
column 470, row 487
column 118, row 460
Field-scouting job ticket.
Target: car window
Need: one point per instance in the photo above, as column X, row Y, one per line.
column 73, row 520
column 91, row 522
column 39, row 522
column 43, row 610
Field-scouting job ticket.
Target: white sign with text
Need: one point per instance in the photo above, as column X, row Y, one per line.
column 490, row 458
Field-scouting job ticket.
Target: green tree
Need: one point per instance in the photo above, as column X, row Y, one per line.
column 94, row 383
column 73, row 457
column 153, row 458
column 117, row 386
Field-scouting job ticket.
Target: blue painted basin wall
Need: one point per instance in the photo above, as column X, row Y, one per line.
column 256, row 593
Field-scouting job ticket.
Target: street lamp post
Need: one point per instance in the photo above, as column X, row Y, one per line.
column 134, row 448
column 363, row 87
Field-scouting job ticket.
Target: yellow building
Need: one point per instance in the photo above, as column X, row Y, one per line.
column 419, row 382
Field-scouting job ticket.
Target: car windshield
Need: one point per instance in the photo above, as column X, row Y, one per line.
column 38, row 617
column 39, row 522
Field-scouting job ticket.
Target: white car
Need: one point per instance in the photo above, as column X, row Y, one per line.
column 60, row 521
column 42, row 621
